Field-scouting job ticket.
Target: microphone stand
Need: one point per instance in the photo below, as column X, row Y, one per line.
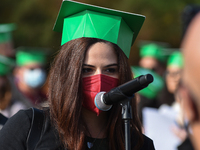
column 124, row 94
column 127, row 116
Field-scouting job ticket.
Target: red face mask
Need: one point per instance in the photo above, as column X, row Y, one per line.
column 93, row 85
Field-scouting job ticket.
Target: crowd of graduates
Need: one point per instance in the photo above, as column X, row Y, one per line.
column 23, row 80
column 22, row 74
column 165, row 64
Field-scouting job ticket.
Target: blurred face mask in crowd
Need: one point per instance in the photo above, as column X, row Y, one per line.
column 93, row 85
column 34, row 78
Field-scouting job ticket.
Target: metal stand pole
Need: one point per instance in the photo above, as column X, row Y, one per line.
column 127, row 116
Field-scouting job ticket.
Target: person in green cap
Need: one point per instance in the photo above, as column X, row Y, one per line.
column 6, row 42
column 173, row 76
column 30, row 75
column 147, row 97
column 153, row 58
column 96, row 43
column 173, row 71
column 9, row 105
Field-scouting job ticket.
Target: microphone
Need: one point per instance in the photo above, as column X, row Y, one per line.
column 104, row 101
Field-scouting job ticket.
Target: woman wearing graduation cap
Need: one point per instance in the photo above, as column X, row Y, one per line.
column 95, row 45
column 153, row 57
column 173, row 76
column 30, row 75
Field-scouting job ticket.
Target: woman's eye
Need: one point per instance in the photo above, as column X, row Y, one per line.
column 86, row 70
column 111, row 70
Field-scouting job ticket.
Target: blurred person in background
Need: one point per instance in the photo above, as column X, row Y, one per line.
column 152, row 57
column 147, row 97
column 9, row 105
column 6, row 42
column 30, row 75
column 173, row 71
column 172, row 79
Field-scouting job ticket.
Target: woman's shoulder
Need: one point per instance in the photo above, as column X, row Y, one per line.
column 148, row 143
column 21, row 120
column 26, row 116
column 16, row 129
column 23, row 115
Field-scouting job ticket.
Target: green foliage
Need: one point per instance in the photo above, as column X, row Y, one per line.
column 35, row 20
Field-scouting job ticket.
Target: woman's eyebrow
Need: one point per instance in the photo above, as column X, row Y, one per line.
column 111, row 65
column 88, row 65
column 105, row 66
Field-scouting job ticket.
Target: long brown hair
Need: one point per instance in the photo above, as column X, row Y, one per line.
column 5, row 92
column 65, row 96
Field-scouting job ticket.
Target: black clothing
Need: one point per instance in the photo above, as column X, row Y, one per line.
column 3, row 119
column 186, row 145
column 14, row 134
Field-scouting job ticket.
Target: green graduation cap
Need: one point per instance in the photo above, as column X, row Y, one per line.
column 175, row 59
column 153, row 50
column 154, row 88
column 5, row 32
column 76, row 20
column 25, row 55
column 6, row 65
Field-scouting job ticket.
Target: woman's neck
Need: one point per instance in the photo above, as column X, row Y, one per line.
column 96, row 125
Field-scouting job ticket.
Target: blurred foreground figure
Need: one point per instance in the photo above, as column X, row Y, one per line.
column 189, row 87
